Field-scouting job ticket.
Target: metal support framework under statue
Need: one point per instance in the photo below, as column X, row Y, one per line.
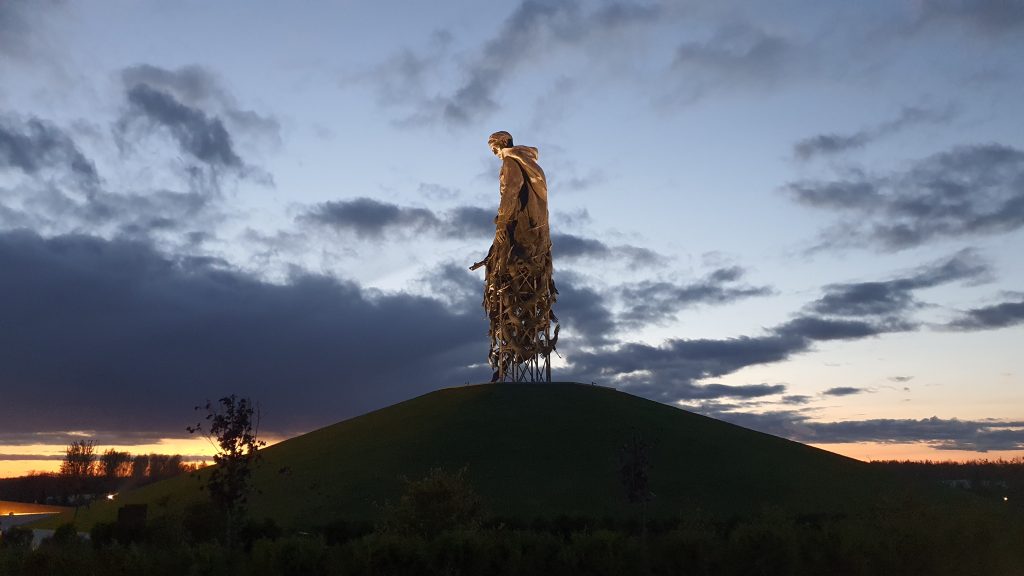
column 519, row 289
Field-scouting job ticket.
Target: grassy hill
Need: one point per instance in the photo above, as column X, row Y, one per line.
column 536, row 450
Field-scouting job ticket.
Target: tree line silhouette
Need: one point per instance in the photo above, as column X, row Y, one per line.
column 999, row 479
column 85, row 474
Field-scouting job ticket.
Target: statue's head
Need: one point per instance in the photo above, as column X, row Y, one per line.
column 499, row 141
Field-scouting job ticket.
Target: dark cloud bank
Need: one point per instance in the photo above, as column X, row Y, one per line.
column 114, row 336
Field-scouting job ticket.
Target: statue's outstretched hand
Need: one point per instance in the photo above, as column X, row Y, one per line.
column 500, row 236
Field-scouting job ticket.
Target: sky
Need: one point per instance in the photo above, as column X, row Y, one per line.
column 802, row 217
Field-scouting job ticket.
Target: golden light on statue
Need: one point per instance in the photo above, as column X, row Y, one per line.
column 518, row 285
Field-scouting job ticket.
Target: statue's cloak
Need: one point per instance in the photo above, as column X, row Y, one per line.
column 523, row 210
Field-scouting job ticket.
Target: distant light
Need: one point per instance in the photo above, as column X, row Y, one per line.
column 1005, row 499
column 111, row 496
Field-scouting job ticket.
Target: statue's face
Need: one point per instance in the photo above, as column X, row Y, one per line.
column 495, row 149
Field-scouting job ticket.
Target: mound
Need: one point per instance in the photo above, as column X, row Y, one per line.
column 536, row 450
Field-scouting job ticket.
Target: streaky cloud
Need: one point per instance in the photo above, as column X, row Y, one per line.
column 843, row 391
column 1002, row 315
column 895, row 297
column 832, row 144
column 33, row 145
column 967, row 191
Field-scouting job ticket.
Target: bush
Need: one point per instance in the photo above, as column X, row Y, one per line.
column 64, row 535
column 103, row 534
column 16, row 537
column 766, row 545
column 438, row 502
column 342, row 531
column 291, row 556
column 203, row 522
column 252, row 531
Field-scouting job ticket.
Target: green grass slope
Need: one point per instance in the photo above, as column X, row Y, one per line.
column 535, row 450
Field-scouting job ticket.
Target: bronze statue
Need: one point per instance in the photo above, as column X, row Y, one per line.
column 518, row 285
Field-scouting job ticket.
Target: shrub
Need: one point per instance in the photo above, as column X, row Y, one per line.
column 438, row 502
column 16, row 537
column 290, row 556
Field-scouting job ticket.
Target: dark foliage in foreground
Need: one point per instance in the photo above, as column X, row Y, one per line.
column 904, row 537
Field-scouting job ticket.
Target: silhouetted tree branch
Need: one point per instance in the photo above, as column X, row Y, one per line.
column 232, row 426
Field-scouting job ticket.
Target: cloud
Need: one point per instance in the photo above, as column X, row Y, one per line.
column 709, row 391
column 64, row 190
column 18, row 457
column 736, row 55
column 193, row 85
column 33, row 145
column 201, row 117
column 52, row 209
column 807, row 329
column 796, row 399
column 468, row 222
column 895, row 297
column 65, row 437
column 937, row 433
column 112, row 336
column 984, row 16
column 572, row 247
column 656, row 302
column 901, row 379
column 666, row 372
column 371, row 219
column 584, row 314
column 831, row 144
column 669, row 371
column 529, row 30
column 966, row 191
column 452, row 283
column 1000, row 315
column 437, row 192
column 842, row 391
column 941, row 434
column 405, row 76
column 198, row 87
column 203, row 137
column 533, row 28
column 20, row 31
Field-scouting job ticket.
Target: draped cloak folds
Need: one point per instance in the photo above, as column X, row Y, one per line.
column 519, row 289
